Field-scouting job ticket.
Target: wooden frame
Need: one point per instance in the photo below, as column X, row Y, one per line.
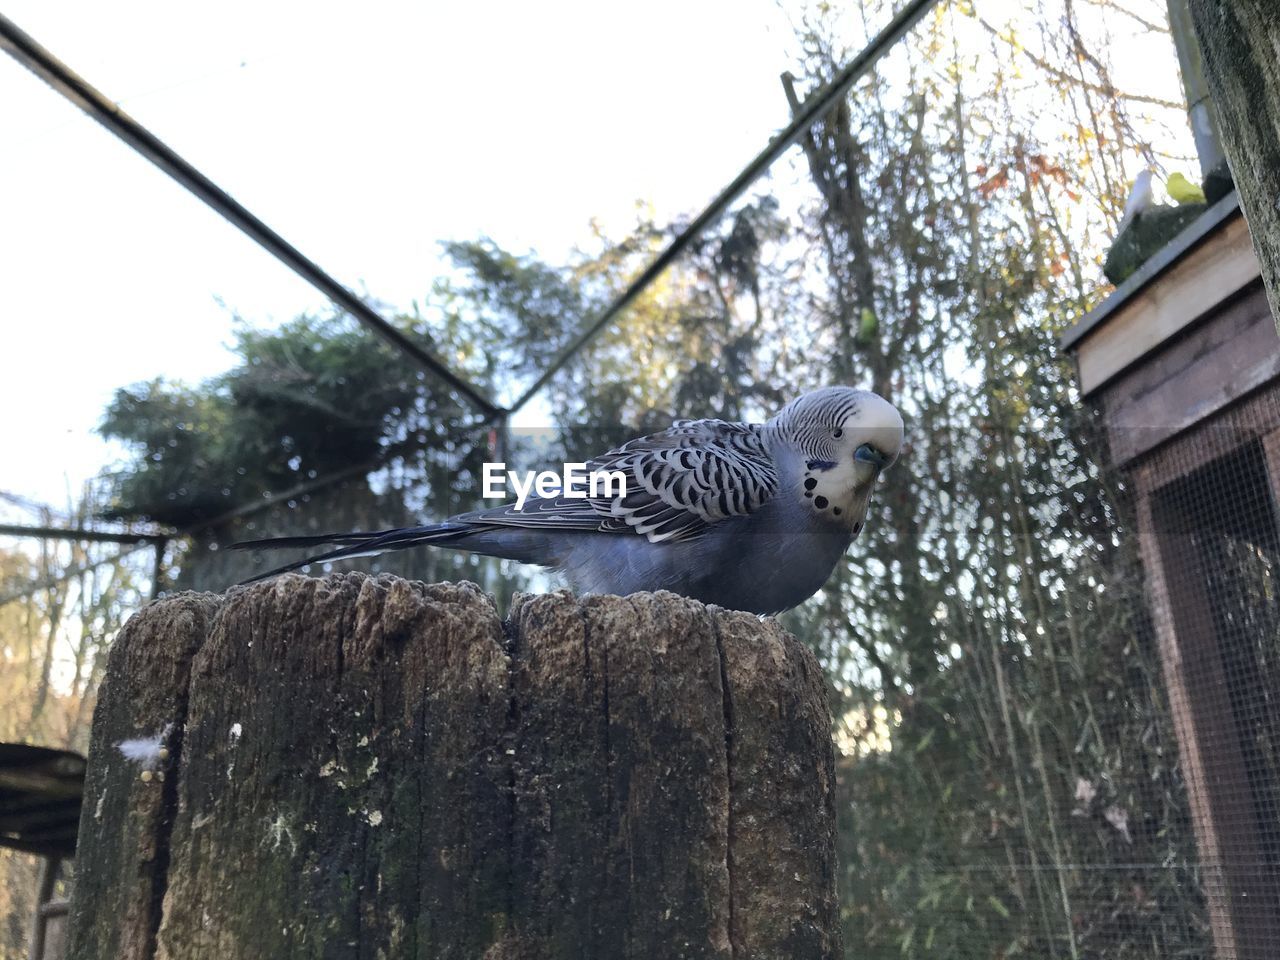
column 1239, row 888
column 1183, row 364
column 48, row 927
column 1211, row 272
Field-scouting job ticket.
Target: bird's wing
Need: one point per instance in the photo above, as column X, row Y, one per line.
column 678, row 483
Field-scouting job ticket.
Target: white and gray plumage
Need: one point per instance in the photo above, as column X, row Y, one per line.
column 748, row 516
column 1140, row 198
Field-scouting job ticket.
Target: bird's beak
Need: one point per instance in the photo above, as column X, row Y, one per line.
column 869, row 454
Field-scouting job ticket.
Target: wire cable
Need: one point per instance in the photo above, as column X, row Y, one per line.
column 813, row 108
column 71, row 85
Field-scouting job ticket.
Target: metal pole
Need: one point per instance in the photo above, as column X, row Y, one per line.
column 1204, row 125
column 49, row 871
column 74, row 88
column 813, row 108
column 65, row 81
column 157, row 568
column 88, row 536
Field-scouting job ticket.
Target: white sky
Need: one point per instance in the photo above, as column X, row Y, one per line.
column 363, row 139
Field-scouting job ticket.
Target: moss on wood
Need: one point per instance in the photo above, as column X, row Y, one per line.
column 377, row 767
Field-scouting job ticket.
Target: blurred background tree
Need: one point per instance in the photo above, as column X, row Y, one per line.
column 60, row 606
column 1011, row 782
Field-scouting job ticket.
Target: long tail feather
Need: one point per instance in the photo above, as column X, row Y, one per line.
column 316, row 540
column 354, row 544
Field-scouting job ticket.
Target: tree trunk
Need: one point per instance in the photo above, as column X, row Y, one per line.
column 1240, row 40
column 376, row 767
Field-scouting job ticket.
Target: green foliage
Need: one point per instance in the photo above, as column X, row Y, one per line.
column 516, row 308
column 1146, row 235
column 179, row 434
column 315, row 396
column 1020, row 796
column 689, row 346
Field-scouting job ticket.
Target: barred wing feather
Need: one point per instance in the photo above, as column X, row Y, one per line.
column 679, row 482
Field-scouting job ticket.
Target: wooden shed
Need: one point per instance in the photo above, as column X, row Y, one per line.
column 41, row 790
column 1182, row 364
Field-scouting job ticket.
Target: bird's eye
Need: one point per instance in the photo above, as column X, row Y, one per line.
column 837, row 433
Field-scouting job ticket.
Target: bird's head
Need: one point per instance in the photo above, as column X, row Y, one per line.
column 842, row 439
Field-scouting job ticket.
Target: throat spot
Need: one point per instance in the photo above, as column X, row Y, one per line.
column 827, row 496
column 820, row 501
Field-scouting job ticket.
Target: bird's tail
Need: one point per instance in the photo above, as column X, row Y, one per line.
column 354, row 544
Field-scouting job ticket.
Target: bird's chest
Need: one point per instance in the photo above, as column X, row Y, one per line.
column 829, row 496
column 774, row 566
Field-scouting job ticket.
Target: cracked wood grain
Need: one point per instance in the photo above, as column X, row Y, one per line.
column 377, row 767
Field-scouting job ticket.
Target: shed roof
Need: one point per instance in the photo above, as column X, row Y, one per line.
column 1178, row 247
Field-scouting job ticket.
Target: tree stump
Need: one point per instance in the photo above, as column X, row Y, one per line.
column 366, row 767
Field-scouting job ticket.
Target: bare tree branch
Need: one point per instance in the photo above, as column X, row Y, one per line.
column 1106, row 91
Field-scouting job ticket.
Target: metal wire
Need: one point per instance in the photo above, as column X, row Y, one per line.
column 65, row 81
column 88, row 536
column 813, row 108
column 41, row 62
column 1213, row 563
column 73, row 572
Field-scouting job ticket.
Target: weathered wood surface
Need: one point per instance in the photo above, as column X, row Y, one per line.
column 1222, row 264
column 1193, row 377
column 377, row 767
column 1239, row 40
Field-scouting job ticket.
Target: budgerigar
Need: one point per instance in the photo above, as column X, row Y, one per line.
column 744, row 515
column 1140, row 198
column 1183, row 190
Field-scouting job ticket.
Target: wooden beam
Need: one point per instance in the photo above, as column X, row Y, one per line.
column 1239, row 40
column 49, row 871
column 1191, row 751
column 1226, row 432
column 1188, row 381
column 1213, row 271
column 1271, row 453
column 1205, row 691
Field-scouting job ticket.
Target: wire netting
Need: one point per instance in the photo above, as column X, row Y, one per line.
column 1212, row 553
